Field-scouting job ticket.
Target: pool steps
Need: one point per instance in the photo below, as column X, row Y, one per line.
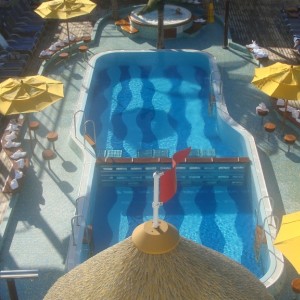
column 90, row 140
column 194, row 170
column 154, row 160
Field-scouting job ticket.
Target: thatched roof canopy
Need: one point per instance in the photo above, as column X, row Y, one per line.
column 190, row 271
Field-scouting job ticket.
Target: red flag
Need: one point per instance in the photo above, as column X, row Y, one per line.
column 167, row 185
column 167, row 182
column 180, row 156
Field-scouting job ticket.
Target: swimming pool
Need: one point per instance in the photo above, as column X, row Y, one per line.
column 138, row 107
column 219, row 216
column 224, row 136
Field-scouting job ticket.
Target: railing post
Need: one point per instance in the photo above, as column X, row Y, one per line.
column 10, row 277
column 226, row 25
column 11, row 285
column 72, row 227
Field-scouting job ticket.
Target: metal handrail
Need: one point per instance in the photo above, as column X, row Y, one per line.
column 74, row 120
column 265, row 197
column 275, row 219
column 17, row 274
column 271, row 214
column 212, row 98
column 76, row 205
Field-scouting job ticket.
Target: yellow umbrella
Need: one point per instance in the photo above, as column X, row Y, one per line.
column 279, row 81
column 288, row 239
column 29, row 94
column 65, row 10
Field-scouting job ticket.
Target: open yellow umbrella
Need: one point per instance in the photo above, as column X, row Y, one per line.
column 65, row 10
column 29, row 94
column 288, row 239
column 281, row 81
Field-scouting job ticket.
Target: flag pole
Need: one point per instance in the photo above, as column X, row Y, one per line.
column 156, row 203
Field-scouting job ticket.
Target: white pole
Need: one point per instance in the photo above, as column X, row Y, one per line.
column 156, row 204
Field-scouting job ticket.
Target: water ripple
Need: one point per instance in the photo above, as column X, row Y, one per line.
column 210, row 233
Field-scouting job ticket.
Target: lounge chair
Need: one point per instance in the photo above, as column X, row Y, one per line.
column 13, row 65
column 7, row 73
column 13, row 56
column 22, row 11
column 8, row 35
column 17, row 45
column 22, row 28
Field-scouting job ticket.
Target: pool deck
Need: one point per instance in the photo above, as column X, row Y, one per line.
column 37, row 221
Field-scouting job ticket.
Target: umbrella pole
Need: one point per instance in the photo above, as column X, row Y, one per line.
column 30, row 136
column 68, row 32
column 156, row 204
column 284, row 113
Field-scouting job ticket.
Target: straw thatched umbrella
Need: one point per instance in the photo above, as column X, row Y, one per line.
column 156, row 263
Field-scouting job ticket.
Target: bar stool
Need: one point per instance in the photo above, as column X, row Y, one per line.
column 296, row 287
column 48, row 155
column 290, row 139
column 83, row 49
column 52, row 136
column 33, row 126
column 64, row 56
column 269, row 128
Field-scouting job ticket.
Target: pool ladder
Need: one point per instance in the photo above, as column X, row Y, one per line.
column 212, row 97
column 269, row 224
column 87, row 138
column 269, row 216
column 260, row 232
column 75, row 218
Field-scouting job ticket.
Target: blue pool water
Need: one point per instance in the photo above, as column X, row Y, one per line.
column 139, row 106
column 219, row 217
